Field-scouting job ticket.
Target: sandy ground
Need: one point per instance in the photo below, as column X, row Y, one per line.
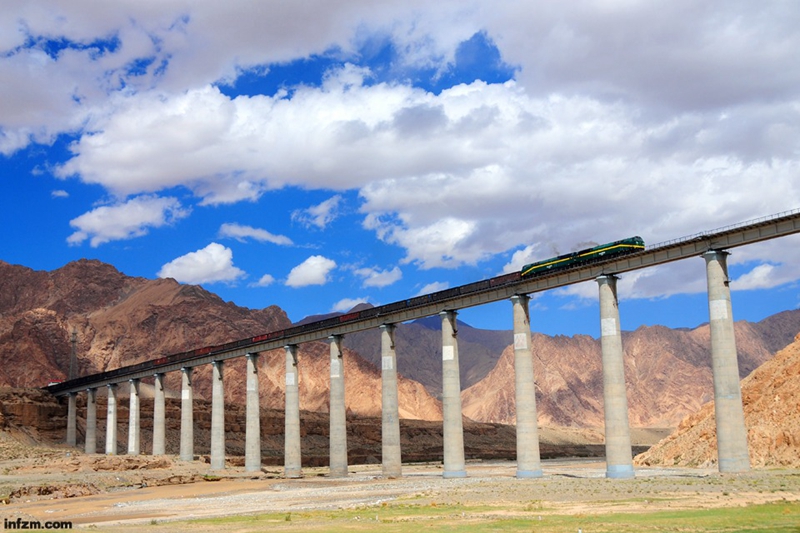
column 127, row 498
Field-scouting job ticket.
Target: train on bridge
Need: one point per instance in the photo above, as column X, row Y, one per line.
column 540, row 268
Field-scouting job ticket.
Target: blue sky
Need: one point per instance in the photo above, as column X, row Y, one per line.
column 313, row 155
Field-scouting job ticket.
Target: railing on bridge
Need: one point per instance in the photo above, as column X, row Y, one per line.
column 723, row 229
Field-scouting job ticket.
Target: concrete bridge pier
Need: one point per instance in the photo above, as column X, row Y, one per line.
column 134, row 426
column 619, row 454
column 111, row 420
column 187, row 415
column 217, row 417
column 252, row 444
column 72, row 419
column 91, row 421
column 390, row 410
column 732, row 449
column 338, row 413
column 292, row 466
column 452, row 427
column 159, row 416
column 528, row 457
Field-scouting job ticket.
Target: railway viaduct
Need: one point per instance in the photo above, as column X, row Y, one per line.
column 712, row 246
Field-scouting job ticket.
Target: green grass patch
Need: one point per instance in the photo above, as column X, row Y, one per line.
column 781, row 517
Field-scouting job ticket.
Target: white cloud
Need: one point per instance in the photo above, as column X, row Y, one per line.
column 127, row 220
column 374, row 277
column 265, row 281
column 319, row 215
column 687, row 56
column 433, row 287
column 346, row 304
column 242, row 233
column 618, row 122
column 461, row 176
column 59, row 193
column 312, row 271
column 212, row 264
column 761, row 277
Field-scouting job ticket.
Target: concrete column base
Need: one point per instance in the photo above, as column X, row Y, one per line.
column 159, row 416
column 134, row 424
column 217, row 452
column 338, row 412
column 111, row 421
column 619, row 462
column 620, row 472
column 452, row 427
column 72, row 419
column 527, row 474
column 252, row 447
column 187, row 415
column 293, row 473
column 732, row 446
column 90, row 445
column 292, row 462
column 391, row 458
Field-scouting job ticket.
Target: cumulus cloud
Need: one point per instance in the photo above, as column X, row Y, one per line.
column 242, row 233
column 59, row 193
column 761, row 277
column 265, row 281
column 457, row 177
column 346, row 304
column 212, row 264
column 132, row 46
column 125, row 220
column 374, row 277
column 319, row 215
column 313, row 271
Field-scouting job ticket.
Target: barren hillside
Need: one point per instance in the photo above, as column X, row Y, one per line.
column 668, row 374
column 771, row 397
column 122, row 320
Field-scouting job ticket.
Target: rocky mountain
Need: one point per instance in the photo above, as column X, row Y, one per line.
column 122, row 320
column 771, row 398
column 668, row 374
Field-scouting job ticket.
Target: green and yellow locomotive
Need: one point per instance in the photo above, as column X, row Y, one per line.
column 625, row 246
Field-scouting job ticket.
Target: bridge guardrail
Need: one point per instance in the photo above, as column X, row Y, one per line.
column 723, row 229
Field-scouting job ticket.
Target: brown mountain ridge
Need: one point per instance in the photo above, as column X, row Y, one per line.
column 123, row 320
column 668, row 374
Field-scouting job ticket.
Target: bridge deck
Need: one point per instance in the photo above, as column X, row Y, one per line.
column 471, row 295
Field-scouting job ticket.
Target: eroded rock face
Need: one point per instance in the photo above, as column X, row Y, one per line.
column 33, row 414
column 771, row 398
column 667, row 372
column 122, row 320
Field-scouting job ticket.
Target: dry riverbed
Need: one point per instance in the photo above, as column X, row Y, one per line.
column 125, row 493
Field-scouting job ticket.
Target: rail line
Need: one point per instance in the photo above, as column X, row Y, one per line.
column 469, row 295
